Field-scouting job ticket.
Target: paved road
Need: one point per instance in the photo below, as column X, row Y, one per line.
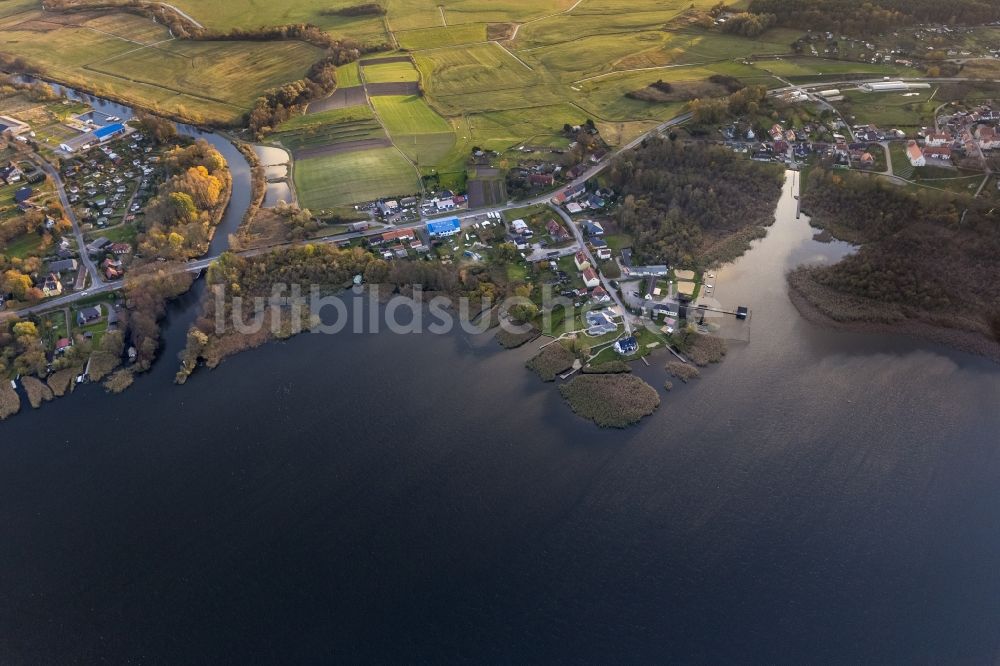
column 95, row 277
column 626, row 315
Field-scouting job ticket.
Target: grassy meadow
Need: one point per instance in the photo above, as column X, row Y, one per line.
column 128, row 57
column 335, row 180
column 390, row 72
column 568, row 61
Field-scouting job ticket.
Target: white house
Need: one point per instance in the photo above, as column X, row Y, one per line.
column 938, row 139
column 915, row 154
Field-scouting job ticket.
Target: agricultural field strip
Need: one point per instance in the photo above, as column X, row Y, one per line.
column 119, row 55
column 542, row 18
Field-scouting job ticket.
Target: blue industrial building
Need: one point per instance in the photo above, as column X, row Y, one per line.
column 109, row 131
column 446, row 227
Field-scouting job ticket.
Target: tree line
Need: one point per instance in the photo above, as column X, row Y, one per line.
column 875, row 16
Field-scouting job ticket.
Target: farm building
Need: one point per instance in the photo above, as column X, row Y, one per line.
column 447, row 227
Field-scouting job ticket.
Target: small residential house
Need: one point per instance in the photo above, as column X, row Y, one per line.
column 51, row 286
column 557, row 231
column 915, row 155
column 63, row 266
column 120, row 248
column 63, row 344
column 627, row 346
column 89, row 315
column 600, row 295
column 23, row 194
column 518, row 226
column 581, row 261
column 599, row 323
column 590, row 279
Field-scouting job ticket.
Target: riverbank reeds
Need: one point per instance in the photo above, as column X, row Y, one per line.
column 682, row 371
column 551, row 361
column 10, row 401
column 37, row 391
column 611, row 401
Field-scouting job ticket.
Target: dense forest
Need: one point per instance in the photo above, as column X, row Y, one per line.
column 925, row 255
column 180, row 219
column 692, row 204
column 875, row 16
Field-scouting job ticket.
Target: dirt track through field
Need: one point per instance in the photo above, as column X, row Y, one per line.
column 345, row 147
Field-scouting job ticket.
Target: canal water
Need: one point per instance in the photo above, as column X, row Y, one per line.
column 817, row 497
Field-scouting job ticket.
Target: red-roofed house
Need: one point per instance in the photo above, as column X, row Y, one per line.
column 988, row 138
column 557, row 231
column 937, row 139
column 581, row 261
column 590, row 279
column 940, row 153
column 915, row 155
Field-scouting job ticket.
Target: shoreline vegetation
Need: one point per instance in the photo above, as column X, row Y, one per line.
column 831, row 309
column 215, row 335
column 180, row 220
column 926, row 266
column 610, row 400
column 553, row 360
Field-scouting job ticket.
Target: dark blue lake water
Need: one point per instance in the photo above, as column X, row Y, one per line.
column 818, row 497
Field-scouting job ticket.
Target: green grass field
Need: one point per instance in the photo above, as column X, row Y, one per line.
column 318, row 135
column 391, row 72
column 476, row 68
column 347, row 75
column 569, row 61
column 889, row 109
column 201, row 81
column 438, row 37
column 336, row 180
column 331, row 117
column 408, row 114
column 252, row 14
